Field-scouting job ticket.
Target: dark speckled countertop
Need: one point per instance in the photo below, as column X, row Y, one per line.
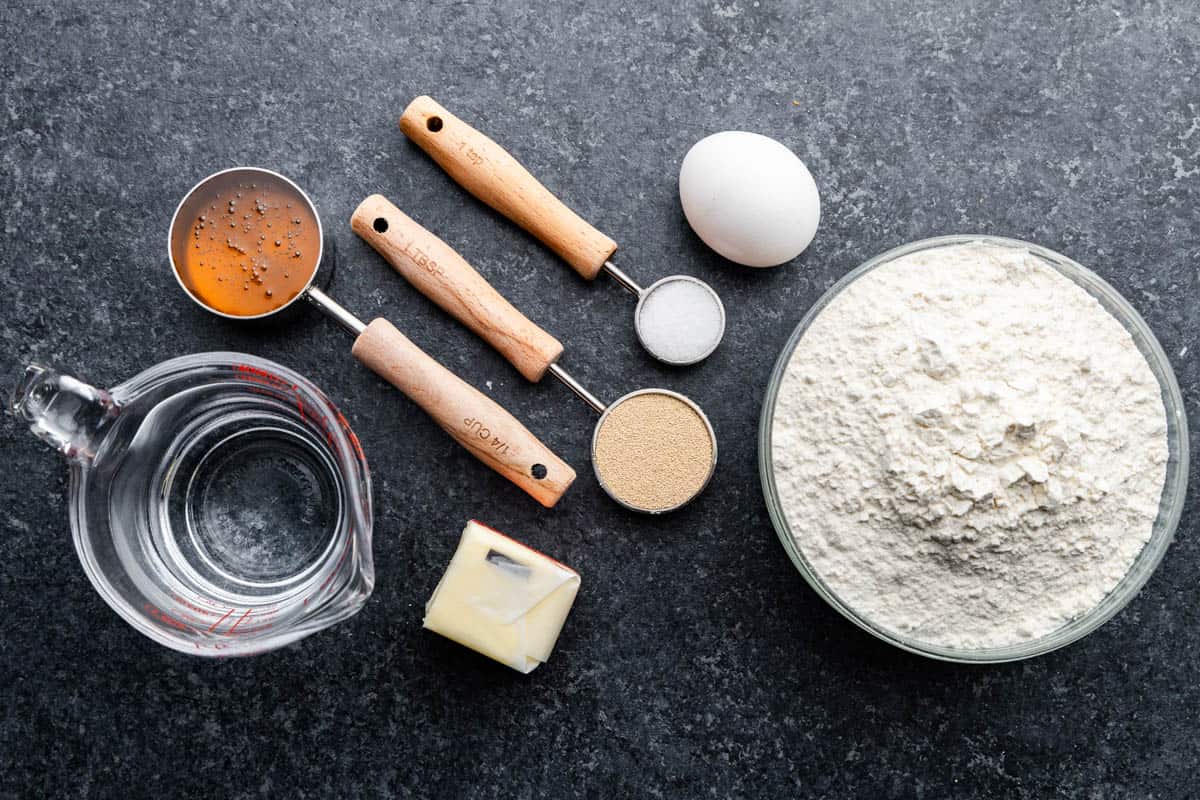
column 696, row 663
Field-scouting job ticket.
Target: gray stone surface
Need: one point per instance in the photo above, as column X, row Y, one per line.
column 696, row 662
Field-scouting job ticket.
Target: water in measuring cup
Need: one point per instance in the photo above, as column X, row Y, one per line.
column 234, row 502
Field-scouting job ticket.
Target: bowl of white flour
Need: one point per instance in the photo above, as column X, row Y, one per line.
column 974, row 448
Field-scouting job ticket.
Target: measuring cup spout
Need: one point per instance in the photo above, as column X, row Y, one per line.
column 63, row 411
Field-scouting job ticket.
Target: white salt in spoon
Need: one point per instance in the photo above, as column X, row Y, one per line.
column 674, row 445
column 679, row 319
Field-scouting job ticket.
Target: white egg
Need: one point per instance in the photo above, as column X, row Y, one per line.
column 749, row 198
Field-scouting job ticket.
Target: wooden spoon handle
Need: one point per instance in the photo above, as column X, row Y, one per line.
column 475, row 421
column 446, row 278
column 487, row 171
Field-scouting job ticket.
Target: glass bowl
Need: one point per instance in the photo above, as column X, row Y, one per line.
column 1170, row 505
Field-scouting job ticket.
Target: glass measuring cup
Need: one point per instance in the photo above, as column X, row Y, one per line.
column 220, row 503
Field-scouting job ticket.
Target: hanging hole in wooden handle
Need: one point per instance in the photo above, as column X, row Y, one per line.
column 487, row 171
column 474, row 420
column 436, row 270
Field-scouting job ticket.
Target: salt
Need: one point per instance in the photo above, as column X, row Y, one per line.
column 680, row 320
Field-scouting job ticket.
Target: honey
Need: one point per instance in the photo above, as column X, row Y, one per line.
column 247, row 246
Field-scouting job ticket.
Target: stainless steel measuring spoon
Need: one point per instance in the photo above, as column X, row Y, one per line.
column 444, row 276
column 679, row 319
column 478, row 423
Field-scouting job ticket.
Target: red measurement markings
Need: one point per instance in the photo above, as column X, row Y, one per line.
column 236, row 627
column 161, row 616
column 321, row 423
column 222, row 619
column 259, row 375
column 212, row 604
column 233, row 627
column 287, row 391
column 353, row 439
column 193, row 607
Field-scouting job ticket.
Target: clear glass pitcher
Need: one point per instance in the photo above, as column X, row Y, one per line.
column 219, row 502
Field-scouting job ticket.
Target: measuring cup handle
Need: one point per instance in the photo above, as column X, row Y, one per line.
column 475, row 421
column 487, row 171
column 445, row 277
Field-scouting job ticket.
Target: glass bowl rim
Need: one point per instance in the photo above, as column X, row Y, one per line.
column 1171, row 502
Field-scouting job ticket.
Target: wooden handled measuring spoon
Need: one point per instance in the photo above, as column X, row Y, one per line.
column 239, row 256
column 679, row 319
column 652, row 450
column 473, row 419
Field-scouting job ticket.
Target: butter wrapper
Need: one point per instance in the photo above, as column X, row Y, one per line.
column 502, row 599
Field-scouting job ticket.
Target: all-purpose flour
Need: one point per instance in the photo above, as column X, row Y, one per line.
column 968, row 448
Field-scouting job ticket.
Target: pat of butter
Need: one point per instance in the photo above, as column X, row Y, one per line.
column 501, row 598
